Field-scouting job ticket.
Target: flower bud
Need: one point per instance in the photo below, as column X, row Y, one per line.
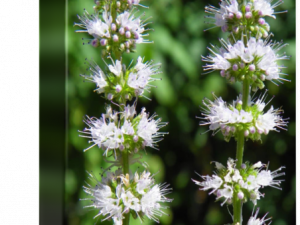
column 95, row 43
column 238, row 15
column 248, row 15
column 252, row 67
column 246, row 133
column 230, row 15
column 110, row 96
column 118, row 4
column 243, row 166
column 135, row 138
column 240, row 195
column 248, row 8
column 261, row 21
column 122, row 31
column 252, row 130
column 103, row 42
column 115, row 38
column 113, row 27
column 127, row 34
column 235, row 67
column 118, row 88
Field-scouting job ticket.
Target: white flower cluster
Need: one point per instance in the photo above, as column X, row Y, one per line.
column 121, row 84
column 255, row 61
column 246, row 181
column 123, row 130
column 231, row 119
column 246, row 16
column 121, row 33
column 118, row 195
column 253, row 220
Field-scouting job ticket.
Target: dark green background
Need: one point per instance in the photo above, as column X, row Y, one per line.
column 179, row 42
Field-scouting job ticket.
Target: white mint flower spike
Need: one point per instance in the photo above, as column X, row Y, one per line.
column 244, row 16
column 246, row 181
column 119, row 83
column 253, row 220
column 115, row 131
column 231, row 118
column 120, row 195
column 255, row 61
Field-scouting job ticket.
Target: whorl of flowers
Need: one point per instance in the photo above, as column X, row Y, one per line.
column 118, row 83
column 255, row 61
column 123, row 130
column 230, row 119
column 117, row 195
column 236, row 17
column 253, row 220
column 246, row 181
column 118, row 30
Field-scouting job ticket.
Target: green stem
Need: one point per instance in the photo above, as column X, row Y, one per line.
column 237, row 203
column 125, row 160
column 126, row 219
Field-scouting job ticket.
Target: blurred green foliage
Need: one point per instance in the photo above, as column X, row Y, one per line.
column 179, row 42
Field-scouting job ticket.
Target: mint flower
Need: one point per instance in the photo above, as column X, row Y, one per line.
column 231, row 118
column 115, row 131
column 255, row 61
column 117, row 195
column 121, row 33
column 253, row 220
column 119, row 83
column 243, row 17
column 245, row 181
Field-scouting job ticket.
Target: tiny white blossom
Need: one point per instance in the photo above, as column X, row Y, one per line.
column 142, row 75
column 253, row 220
column 267, row 178
column 251, row 183
column 214, row 182
column 265, row 8
column 104, row 200
column 151, row 201
column 130, row 201
column 226, row 192
column 236, row 176
column 148, row 129
column 116, row 68
column 94, row 25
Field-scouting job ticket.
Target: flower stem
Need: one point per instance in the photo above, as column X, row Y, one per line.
column 237, row 203
column 125, row 159
column 126, row 219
